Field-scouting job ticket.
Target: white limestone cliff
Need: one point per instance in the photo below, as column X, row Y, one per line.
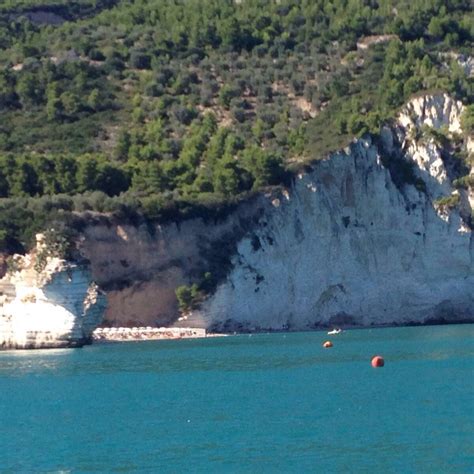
column 347, row 244
column 56, row 306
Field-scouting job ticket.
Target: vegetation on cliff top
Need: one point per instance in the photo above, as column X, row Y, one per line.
column 154, row 107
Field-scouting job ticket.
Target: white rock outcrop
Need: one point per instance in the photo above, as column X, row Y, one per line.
column 432, row 111
column 57, row 306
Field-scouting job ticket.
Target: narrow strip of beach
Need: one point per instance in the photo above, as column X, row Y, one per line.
column 148, row 333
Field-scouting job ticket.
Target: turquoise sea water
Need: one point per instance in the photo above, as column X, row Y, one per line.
column 260, row 403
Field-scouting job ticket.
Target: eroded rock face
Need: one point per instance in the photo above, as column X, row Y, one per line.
column 347, row 244
column 433, row 111
column 58, row 306
column 355, row 250
column 140, row 268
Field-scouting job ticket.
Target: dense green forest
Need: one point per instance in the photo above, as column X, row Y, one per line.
column 158, row 109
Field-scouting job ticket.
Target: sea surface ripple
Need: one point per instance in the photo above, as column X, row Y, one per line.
column 247, row 403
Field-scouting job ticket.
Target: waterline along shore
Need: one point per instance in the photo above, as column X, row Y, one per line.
column 148, row 334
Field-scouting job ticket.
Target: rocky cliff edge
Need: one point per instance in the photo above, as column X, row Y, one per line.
column 51, row 304
column 375, row 234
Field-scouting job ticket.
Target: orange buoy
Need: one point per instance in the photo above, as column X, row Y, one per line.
column 377, row 361
column 327, row 344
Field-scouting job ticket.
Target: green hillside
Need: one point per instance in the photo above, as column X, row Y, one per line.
column 160, row 109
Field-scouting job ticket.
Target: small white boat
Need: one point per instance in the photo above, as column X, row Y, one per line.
column 335, row 331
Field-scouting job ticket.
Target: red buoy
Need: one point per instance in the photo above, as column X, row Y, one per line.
column 327, row 344
column 377, row 361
